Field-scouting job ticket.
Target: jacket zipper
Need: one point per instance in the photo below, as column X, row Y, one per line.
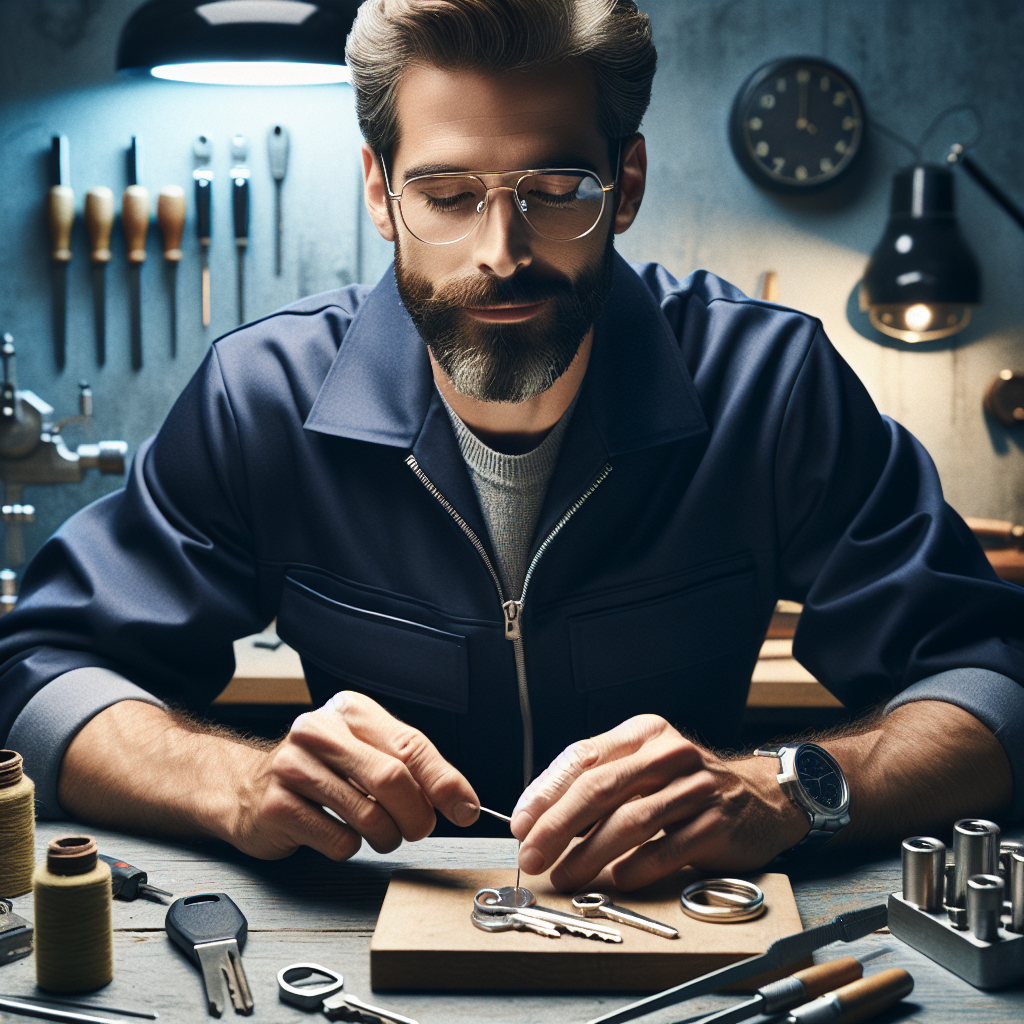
column 512, row 610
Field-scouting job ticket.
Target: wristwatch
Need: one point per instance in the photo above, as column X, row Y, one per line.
column 814, row 781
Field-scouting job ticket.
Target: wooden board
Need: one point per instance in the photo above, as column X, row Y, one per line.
column 425, row 940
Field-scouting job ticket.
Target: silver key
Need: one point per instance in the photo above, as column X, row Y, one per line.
column 520, row 922
column 510, row 899
column 221, row 964
column 351, row 1008
column 599, row 904
column 328, row 997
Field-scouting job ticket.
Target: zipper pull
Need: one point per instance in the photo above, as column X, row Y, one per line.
column 512, row 610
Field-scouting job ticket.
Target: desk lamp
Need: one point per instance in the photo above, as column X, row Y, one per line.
column 239, row 42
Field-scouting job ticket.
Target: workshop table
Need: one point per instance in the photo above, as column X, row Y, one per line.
column 306, row 908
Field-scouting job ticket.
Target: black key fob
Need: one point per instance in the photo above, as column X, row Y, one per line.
column 124, row 878
column 205, row 917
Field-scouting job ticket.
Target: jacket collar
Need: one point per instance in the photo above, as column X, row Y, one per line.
column 637, row 392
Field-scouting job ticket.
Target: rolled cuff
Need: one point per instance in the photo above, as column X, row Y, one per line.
column 51, row 720
column 994, row 699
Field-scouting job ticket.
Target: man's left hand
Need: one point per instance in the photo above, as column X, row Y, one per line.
column 660, row 802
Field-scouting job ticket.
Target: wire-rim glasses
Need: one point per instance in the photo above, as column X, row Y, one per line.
column 558, row 203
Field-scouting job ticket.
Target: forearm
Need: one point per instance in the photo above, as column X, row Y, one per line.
column 919, row 769
column 141, row 768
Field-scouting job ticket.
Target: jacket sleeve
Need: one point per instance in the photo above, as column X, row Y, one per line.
column 151, row 583
column 900, row 602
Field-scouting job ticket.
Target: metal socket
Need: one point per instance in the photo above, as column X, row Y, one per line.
column 1017, row 892
column 1007, row 847
column 984, row 906
column 975, row 852
column 924, row 862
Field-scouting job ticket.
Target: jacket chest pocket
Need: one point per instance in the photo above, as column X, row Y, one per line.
column 376, row 652
column 639, row 641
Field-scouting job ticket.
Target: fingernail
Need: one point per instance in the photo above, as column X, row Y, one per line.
column 531, row 861
column 466, row 813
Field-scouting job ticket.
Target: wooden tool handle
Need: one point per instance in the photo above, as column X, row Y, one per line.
column 170, row 215
column 824, row 978
column 869, row 996
column 135, row 221
column 99, row 220
column 60, row 214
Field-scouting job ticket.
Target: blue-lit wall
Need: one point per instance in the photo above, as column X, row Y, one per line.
column 911, row 59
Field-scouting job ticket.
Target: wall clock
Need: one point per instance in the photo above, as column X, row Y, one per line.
column 797, row 125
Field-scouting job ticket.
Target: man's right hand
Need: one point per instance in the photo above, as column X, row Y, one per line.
column 381, row 776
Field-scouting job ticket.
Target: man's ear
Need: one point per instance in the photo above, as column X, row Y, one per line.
column 632, row 182
column 375, row 193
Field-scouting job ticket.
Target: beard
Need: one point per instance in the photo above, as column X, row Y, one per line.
column 506, row 362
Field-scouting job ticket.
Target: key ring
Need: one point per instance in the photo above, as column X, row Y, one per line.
column 307, row 997
column 724, row 900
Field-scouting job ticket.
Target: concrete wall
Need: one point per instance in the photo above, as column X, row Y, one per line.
column 911, row 59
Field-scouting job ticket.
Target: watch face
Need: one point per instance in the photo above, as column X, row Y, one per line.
column 797, row 124
column 821, row 779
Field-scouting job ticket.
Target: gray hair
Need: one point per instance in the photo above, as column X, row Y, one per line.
column 611, row 37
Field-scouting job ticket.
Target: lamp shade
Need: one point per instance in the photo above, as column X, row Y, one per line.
column 239, row 42
column 922, row 280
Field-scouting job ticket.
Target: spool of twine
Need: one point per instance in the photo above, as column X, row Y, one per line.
column 74, row 939
column 17, row 826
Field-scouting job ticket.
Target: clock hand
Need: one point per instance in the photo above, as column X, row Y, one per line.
column 801, row 121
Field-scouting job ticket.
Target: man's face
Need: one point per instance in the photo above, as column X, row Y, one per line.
column 504, row 310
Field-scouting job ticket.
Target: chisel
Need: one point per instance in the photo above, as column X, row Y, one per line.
column 240, row 211
column 202, row 153
column 135, row 221
column 781, row 953
column 277, row 145
column 170, row 215
column 60, row 214
column 99, row 221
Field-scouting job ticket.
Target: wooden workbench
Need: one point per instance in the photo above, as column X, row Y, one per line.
column 307, row 909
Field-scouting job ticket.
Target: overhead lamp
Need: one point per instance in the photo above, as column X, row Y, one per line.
column 923, row 280
column 239, row 42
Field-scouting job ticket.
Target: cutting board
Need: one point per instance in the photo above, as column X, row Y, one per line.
column 425, row 940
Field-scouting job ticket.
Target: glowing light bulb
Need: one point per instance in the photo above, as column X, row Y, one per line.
column 918, row 317
column 254, row 73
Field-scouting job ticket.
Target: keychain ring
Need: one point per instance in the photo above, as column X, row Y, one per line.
column 724, row 900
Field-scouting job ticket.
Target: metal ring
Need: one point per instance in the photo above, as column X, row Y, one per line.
column 724, row 900
column 307, row 997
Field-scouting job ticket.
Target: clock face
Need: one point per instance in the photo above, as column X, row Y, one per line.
column 820, row 779
column 797, row 125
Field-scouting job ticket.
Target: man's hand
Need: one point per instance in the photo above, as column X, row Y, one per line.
column 660, row 801
column 143, row 768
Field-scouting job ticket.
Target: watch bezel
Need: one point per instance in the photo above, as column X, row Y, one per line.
column 789, row 778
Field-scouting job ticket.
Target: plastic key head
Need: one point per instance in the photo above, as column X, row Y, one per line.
column 205, row 917
column 307, row 985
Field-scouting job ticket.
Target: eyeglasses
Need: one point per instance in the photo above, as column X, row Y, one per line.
column 559, row 203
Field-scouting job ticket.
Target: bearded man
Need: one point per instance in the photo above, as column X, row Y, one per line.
column 517, row 495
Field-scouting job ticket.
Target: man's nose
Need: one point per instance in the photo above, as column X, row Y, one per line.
column 501, row 242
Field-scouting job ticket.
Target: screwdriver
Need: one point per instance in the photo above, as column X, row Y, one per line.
column 858, row 1001
column 135, row 221
column 786, row 993
column 240, row 211
column 202, row 152
column 277, row 147
column 60, row 215
column 170, row 215
column 129, row 882
column 99, row 221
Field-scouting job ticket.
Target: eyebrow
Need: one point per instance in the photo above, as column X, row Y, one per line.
column 561, row 160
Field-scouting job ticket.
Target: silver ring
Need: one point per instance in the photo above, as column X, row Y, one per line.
column 722, row 900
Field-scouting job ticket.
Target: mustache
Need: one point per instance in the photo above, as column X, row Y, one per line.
column 517, row 290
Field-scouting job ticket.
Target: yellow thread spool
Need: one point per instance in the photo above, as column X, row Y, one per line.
column 17, row 826
column 74, row 938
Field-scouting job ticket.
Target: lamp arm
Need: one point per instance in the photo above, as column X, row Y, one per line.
column 958, row 156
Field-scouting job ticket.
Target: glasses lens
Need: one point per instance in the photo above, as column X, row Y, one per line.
column 442, row 208
column 561, row 205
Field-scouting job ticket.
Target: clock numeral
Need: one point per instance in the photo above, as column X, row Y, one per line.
column 849, row 123
column 839, row 99
column 767, row 101
column 826, row 165
column 801, row 173
column 841, row 146
column 756, row 124
column 826, row 83
column 761, row 149
column 778, row 163
column 803, row 76
column 780, row 85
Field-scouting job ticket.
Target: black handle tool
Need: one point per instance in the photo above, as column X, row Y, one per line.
column 129, row 882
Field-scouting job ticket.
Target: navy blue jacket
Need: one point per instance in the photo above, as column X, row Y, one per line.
column 747, row 463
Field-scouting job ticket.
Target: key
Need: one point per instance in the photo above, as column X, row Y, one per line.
column 511, row 899
column 599, row 904
column 327, row 996
column 504, row 922
column 212, row 931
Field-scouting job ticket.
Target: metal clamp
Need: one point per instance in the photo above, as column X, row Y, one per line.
column 723, row 900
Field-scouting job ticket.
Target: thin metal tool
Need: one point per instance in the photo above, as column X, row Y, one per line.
column 170, row 215
column 329, row 997
column 60, row 215
column 509, row 900
column 781, row 953
column 599, row 904
column 240, row 211
column 135, row 221
column 277, row 147
column 99, row 222
column 144, row 1015
column 202, row 153
column 23, row 1009
column 505, row 817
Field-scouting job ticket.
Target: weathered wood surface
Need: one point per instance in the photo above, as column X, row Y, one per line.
column 308, row 909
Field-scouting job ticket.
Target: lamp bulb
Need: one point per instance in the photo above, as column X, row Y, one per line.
column 918, row 317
